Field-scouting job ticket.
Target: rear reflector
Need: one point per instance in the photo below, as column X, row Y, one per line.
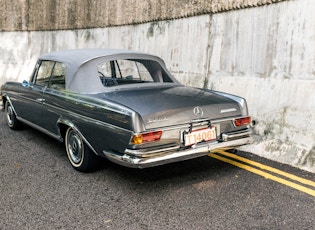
column 146, row 137
column 242, row 121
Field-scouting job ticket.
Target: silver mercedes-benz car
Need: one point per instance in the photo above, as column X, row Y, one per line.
column 124, row 106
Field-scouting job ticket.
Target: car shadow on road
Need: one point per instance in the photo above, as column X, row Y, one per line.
column 198, row 169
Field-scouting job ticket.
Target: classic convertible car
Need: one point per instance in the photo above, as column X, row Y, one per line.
column 124, row 106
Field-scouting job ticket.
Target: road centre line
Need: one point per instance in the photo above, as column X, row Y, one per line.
column 268, row 168
column 264, row 174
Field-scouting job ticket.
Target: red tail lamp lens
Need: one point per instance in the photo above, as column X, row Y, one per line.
column 242, row 121
column 146, row 137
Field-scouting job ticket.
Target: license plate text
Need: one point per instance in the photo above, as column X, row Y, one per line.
column 200, row 135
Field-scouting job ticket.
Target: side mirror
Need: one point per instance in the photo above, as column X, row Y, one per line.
column 25, row 84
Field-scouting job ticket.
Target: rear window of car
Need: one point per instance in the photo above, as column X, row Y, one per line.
column 121, row 72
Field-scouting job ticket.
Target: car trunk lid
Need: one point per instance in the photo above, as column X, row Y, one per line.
column 160, row 107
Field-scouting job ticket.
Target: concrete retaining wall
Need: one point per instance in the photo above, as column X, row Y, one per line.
column 34, row 15
column 265, row 54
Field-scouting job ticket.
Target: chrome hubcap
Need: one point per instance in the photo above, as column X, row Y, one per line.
column 75, row 147
column 10, row 115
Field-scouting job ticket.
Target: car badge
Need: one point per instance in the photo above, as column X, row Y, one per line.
column 198, row 111
column 228, row 110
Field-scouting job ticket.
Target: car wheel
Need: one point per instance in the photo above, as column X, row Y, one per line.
column 10, row 116
column 79, row 154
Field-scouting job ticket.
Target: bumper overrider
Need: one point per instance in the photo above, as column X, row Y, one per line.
column 140, row 159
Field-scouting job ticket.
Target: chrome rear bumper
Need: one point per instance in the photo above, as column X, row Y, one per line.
column 132, row 159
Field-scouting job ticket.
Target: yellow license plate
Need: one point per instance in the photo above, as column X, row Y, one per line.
column 200, row 135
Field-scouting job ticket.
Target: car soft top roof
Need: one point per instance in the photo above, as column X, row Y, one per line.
column 81, row 65
column 79, row 56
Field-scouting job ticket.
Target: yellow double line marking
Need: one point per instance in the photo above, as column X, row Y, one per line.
column 247, row 167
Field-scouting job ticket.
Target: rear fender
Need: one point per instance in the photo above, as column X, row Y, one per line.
column 241, row 101
column 63, row 125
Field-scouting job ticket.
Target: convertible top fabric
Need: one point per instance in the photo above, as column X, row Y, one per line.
column 81, row 66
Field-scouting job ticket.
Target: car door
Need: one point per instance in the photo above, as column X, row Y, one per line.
column 52, row 101
column 30, row 107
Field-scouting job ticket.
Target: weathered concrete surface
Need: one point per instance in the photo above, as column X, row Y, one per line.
column 34, row 15
column 20, row 49
column 265, row 54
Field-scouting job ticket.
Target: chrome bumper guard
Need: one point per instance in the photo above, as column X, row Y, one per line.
column 132, row 158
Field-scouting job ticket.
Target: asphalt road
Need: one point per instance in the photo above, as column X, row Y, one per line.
column 40, row 190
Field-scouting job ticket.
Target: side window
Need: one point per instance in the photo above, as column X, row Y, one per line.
column 44, row 72
column 57, row 79
column 51, row 74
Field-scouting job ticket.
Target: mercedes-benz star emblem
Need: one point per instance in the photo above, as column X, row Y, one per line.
column 198, row 111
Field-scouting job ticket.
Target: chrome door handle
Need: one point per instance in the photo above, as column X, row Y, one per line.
column 40, row 100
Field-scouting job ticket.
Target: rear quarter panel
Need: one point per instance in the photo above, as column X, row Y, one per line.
column 105, row 125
